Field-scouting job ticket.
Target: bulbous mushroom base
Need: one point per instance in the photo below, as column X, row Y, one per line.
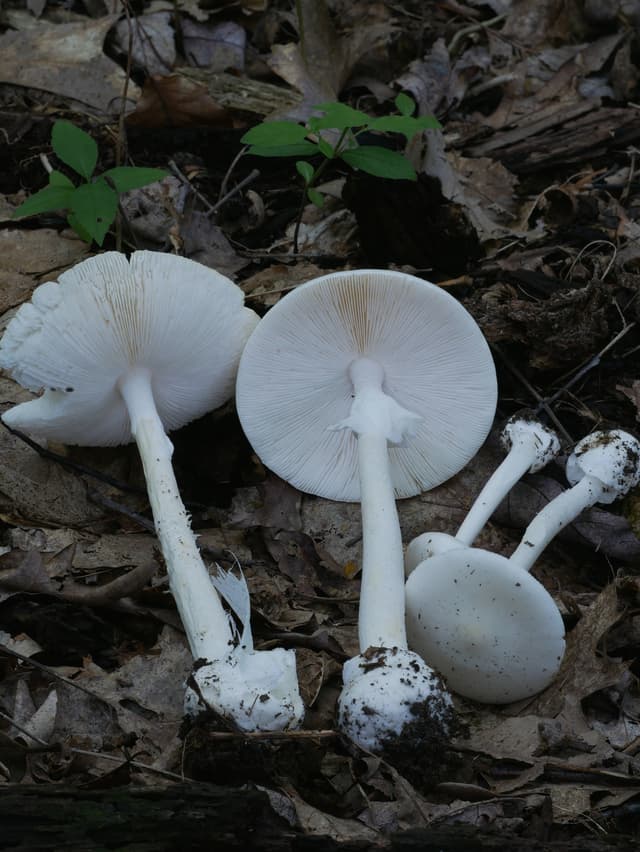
column 389, row 695
column 254, row 690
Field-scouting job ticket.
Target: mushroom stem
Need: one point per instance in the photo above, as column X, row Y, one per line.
column 382, row 604
column 555, row 516
column 512, row 468
column 377, row 419
column 199, row 605
column 531, row 445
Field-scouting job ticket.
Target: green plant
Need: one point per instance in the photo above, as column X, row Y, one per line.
column 342, row 126
column 93, row 204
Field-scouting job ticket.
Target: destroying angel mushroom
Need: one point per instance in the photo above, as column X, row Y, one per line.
column 530, row 446
column 370, row 385
column 127, row 350
column 489, row 627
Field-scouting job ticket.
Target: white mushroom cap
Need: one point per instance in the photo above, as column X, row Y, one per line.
column 488, row 627
column 544, row 442
column 387, row 689
column 427, row 545
column 613, row 457
column 76, row 338
column 294, row 383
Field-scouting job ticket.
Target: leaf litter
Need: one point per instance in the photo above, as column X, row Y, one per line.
column 526, row 207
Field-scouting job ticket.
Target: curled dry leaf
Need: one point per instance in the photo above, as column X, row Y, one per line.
column 177, row 101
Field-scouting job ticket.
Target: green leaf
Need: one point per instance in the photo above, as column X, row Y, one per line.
column 298, row 149
column 49, row 198
column 305, row 170
column 274, row 133
column 326, row 149
column 94, row 206
column 132, row 177
column 56, row 178
column 338, row 116
column 315, row 197
column 402, row 124
column 77, row 227
column 75, row 148
column 379, row 162
column 405, row 104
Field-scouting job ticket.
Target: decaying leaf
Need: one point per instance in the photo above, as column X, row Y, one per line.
column 68, row 60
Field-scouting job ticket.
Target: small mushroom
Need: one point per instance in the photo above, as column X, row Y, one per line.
column 531, row 445
column 603, row 467
column 370, row 385
column 489, row 627
column 148, row 345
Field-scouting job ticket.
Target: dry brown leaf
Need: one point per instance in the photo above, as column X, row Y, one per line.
column 33, row 490
column 68, row 60
column 176, row 101
column 31, row 257
column 584, row 670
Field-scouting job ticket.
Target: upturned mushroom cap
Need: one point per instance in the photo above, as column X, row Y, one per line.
column 77, row 337
column 491, row 629
column 613, row 457
column 294, row 384
column 386, row 692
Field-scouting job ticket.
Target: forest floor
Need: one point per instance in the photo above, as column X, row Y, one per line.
column 526, row 208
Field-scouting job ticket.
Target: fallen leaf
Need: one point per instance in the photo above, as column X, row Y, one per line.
column 177, row 101
column 68, row 60
column 31, row 257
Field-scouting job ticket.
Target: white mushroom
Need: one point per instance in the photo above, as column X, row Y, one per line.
column 603, row 467
column 490, row 628
column 531, row 445
column 483, row 621
column 126, row 350
column 370, row 385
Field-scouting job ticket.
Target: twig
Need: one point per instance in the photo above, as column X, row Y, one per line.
column 534, row 393
column 74, row 466
column 125, row 93
column 181, row 176
column 253, row 175
column 473, row 28
column 52, row 672
column 590, row 364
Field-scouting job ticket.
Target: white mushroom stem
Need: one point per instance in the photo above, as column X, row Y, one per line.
column 378, row 419
column 555, row 516
column 199, row 605
column 381, row 621
column 531, row 446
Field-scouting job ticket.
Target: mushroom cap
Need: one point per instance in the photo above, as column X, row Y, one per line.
column 529, row 430
column 294, row 383
column 427, row 545
column 77, row 337
column 385, row 691
column 489, row 628
column 611, row 456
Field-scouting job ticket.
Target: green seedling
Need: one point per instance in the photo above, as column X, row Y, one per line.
column 91, row 205
column 335, row 136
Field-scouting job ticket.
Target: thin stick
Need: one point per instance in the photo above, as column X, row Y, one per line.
column 534, row 393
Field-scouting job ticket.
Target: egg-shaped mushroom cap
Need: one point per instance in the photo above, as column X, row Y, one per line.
column 611, row 456
column 294, row 384
column 492, row 630
column 76, row 338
